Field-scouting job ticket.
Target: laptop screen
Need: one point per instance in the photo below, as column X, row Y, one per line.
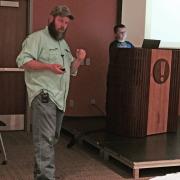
column 151, row 43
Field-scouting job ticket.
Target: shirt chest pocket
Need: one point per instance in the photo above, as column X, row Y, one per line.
column 48, row 55
column 54, row 56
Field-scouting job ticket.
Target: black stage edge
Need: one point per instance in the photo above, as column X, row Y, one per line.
column 162, row 150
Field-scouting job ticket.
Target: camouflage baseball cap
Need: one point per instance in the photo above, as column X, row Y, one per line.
column 62, row 10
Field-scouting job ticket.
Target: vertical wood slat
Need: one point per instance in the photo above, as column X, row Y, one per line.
column 127, row 94
column 174, row 92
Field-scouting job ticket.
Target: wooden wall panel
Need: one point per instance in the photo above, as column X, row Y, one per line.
column 12, row 32
column 12, row 93
column 14, row 28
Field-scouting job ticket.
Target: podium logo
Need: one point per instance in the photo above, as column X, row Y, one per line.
column 161, row 71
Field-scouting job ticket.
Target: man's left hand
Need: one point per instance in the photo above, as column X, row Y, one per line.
column 80, row 54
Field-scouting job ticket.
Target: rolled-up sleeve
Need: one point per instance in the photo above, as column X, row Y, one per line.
column 29, row 51
column 75, row 72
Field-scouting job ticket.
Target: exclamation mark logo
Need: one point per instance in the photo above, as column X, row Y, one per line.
column 161, row 71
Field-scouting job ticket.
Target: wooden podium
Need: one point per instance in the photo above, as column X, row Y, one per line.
column 143, row 91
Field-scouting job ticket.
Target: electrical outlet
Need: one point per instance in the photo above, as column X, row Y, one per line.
column 93, row 101
column 71, row 103
column 88, row 61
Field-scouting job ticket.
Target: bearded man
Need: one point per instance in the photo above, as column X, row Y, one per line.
column 48, row 64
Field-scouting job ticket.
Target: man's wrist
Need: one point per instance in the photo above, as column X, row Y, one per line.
column 78, row 60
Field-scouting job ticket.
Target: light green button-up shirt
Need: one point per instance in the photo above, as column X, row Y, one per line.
column 42, row 47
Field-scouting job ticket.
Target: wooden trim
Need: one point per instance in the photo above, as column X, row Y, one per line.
column 30, row 16
column 14, row 4
column 11, row 70
column 119, row 11
column 13, row 122
column 153, row 164
column 136, row 166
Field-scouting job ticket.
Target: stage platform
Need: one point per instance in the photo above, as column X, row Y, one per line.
column 154, row 151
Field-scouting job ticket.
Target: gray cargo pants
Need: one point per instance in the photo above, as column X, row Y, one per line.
column 46, row 126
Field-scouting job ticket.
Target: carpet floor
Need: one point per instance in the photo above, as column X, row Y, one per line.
column 77, row 163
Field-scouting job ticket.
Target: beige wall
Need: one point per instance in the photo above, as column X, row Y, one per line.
column 133, row 16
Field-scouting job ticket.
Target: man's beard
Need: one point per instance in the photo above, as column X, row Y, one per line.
column 54, row 33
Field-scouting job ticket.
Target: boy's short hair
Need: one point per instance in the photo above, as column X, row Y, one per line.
column 118, row 26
